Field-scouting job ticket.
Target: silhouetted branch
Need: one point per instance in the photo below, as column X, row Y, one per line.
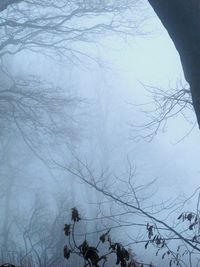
column 164, row 105
column 60, row 27
column 160, row 233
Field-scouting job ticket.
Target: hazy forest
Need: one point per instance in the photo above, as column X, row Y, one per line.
column 99, row 133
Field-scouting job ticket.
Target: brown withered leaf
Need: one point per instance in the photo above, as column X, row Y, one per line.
column 67, row 252
column 67, row 229
column 75, row 215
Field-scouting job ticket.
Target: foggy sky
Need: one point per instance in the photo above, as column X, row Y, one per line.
column 111, row 93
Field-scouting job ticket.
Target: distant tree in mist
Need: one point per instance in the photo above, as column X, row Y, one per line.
column 62, row 30
column 36, row 238
column 63, row 26
column 33, row 110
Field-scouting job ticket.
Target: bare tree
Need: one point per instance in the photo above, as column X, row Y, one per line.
column 169, row 229
column 60, row 26
column 36, row 109
column 36, row 239
column 61, row 30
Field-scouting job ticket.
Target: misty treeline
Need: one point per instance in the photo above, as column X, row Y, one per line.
column 58, row 144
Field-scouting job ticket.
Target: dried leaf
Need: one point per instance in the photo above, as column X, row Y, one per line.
column 67, row 252
column 67, row 229
column 75, row 215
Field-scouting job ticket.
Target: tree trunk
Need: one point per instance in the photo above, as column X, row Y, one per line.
column 181, row 18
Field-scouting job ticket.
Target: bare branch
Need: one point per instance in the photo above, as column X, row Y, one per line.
column 164, row 105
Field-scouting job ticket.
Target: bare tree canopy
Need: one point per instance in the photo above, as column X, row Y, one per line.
column 62, row 26
column 181, row 18
column 62, row 30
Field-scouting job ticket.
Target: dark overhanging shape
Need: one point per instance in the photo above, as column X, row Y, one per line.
column 181, row 18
